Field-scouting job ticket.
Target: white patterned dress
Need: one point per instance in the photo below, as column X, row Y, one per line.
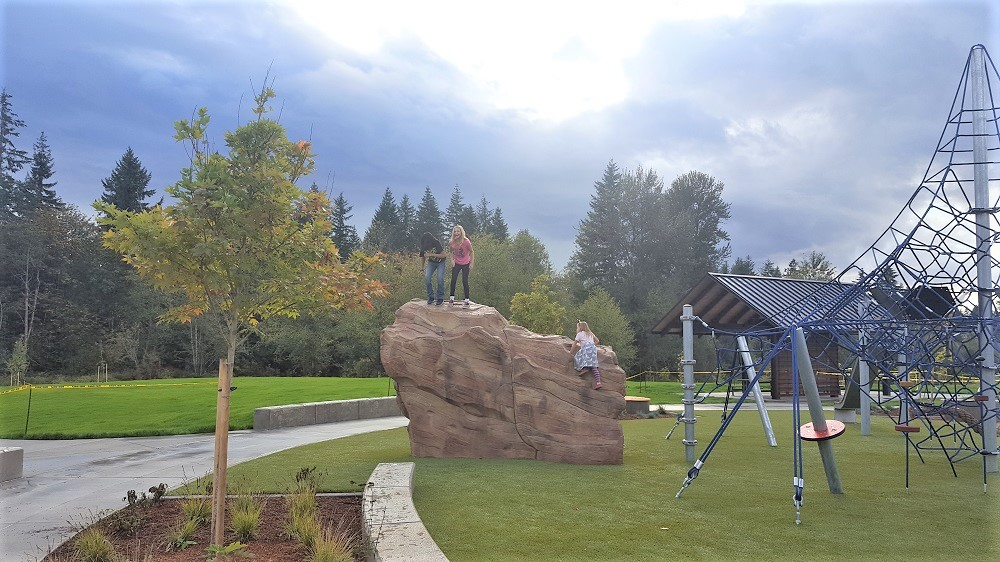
column 587, row 356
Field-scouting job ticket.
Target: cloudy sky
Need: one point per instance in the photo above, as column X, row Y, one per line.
column 819, row 117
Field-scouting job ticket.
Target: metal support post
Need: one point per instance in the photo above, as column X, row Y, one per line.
column 758, row 397
column 808, row 379
column 687, row 323
column 984, row 237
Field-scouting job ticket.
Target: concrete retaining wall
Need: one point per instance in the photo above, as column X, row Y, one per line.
column 392, row 526
column 292, row 415
column 11, row 463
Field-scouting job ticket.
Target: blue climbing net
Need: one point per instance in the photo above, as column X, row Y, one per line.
column 918, row 307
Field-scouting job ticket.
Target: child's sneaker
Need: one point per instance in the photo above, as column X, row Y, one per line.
column 597, row 385
column 438, row 302
column 466, row 304
column 451, row 301
column 430, row 300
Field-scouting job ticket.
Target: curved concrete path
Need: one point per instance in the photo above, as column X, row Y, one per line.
column 67, row 482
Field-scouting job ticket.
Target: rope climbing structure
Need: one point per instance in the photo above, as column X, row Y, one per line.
column 911, row 324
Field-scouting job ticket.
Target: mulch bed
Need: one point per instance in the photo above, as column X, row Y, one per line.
column 148, row 544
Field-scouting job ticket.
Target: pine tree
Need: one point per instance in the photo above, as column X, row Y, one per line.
column 769, row 269
column 598, row 240
column 38, row 190
column 428, row 217
column 469, row 221
column 11, row 158
column 483, row 214
column 405, row 239
column 344, row 235
column 498, row 226
column 379, row 236
column 743, row 266
column 126, row 188
column 454, row 213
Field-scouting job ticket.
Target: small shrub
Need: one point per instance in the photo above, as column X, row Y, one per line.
column 245, row 520
column 93, row 546
column 219, row 552
column 333, row 546
column 197, row 509
column 125, row 523
column 304, row 528
column 179, row 536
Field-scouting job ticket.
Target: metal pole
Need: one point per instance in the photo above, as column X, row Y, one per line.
column 757, row 395
column 687, row 323
column 808, row 379
column 865, row 381
column 984, row 236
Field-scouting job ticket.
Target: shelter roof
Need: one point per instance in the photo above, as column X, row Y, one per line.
column 734, row 302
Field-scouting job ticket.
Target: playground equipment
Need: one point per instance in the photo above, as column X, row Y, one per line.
column 913, row 316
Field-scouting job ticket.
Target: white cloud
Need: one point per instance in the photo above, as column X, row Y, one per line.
column 546, row 60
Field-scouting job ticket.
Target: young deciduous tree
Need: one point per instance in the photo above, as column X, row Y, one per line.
column 127, row 187
column 242, row 243
column 538, row 311
column 606, row 320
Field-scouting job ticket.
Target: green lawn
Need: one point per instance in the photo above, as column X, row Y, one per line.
column 738, row 508
column 162, row 407
column 667, row 392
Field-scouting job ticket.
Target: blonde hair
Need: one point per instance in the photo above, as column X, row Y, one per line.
column 453, row 241
column 582, row 326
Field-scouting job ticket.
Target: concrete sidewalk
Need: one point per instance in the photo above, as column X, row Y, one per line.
column 69, row 482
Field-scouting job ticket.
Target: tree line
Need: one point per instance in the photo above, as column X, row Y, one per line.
column 75, row 294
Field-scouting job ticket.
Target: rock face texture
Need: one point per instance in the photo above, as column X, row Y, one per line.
column 475, row 386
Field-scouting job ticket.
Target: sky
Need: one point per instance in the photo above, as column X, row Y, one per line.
column 819, row 117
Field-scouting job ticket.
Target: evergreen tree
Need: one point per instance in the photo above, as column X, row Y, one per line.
column 379, row 236
column 38, row 190
column 483, row 214
column 696, row 210
column 814, row 265
column 405, row 238
column 454, row 214
column 11, row 158
column 770, row 270
column 469, row 221
column 127, row 187
column 428, row 218
column 598, row 240
column 344, row 235
column 743, row 266
column 497, row 226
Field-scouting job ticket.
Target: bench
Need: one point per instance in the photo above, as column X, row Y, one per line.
column 11, row 463
column 638, row 405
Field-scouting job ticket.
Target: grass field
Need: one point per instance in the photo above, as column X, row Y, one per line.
column 738, row 508
column 162, row 407
column 177, row 406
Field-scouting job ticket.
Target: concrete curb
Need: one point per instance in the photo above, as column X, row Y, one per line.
column 312, row 413
column 11, row 463
column 392, row 527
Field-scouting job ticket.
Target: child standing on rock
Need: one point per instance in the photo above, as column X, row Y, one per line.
column 586, row 358
column 462, row 260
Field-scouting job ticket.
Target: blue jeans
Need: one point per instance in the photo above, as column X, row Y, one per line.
column 429, row 270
